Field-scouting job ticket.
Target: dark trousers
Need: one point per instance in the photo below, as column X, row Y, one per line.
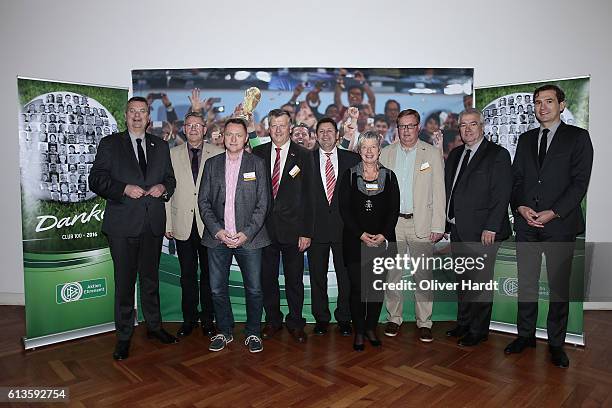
column 136, row 256
column 293, row 271
column 191, row 253
column 559, row 251
column 249, row 261
column 365, row 303
column 318, row 261
column 474, row 307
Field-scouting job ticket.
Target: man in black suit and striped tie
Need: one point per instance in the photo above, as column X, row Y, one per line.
column 330, row 163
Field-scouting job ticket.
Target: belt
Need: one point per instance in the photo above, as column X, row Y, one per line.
column 406, row 216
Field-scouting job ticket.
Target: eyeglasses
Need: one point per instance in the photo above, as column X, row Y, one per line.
column 195, row 126
column 141, row 111
column 274, row 127
column 407, row 127
column 471, row 125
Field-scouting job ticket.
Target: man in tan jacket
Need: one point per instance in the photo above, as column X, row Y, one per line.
column 184, row 224
column 419, row 168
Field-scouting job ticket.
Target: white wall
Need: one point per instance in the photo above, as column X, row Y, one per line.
column 100, row 42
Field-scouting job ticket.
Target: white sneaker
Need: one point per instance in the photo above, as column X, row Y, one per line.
column 218, row 342
column 254, row 344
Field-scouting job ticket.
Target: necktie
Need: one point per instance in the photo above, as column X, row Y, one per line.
column 464, row 164
column 330, row 178
column 543, row 145
column 141, row 157
column 194, row 164
column 276, row 173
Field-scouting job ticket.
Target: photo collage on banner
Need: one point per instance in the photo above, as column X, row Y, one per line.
column 509, row 111
column 438, row 94
column 68, row 271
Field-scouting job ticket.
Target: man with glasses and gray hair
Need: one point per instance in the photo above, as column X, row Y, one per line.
column 133, row 172
column 419, row 168
column 184, row 224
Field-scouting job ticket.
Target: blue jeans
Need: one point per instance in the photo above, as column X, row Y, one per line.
column 249, row 261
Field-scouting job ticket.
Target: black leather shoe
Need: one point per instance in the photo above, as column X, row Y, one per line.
column 470, row 340
column 359, row 343
column 186, row 329
column 299, row 335
column 373, row 338
column 320, row 329
column 392, row 329
column 122, row 350
column 519, row 344
column 162, row 336
column 345, row 329
column 558, row 357
column 208, row 329
column 269, row 331
column 458, row 331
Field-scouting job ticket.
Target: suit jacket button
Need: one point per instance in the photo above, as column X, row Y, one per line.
column 539, row 181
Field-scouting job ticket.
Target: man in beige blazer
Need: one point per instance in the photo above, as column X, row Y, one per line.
column 419, row 168
column 184, row 224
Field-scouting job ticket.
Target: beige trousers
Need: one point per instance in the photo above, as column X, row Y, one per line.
column 409, row 243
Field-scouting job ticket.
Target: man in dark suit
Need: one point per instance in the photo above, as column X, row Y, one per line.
column 478, row 178
column 234, row 200
column 551, row 173
column 133, row 172
column 330, row 163
column 290, row 225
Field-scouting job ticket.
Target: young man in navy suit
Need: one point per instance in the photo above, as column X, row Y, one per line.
column 551, row 173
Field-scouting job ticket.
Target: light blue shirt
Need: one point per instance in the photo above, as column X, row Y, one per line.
column 404, row 170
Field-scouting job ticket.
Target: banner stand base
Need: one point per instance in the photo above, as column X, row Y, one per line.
column 570, row 338
column 30, row 344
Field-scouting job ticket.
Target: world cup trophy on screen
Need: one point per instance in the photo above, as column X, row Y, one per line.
column 252, row 96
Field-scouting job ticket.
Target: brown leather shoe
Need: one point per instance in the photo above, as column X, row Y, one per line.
column 425, row 335
column 269, row 331
column 391, row 329
column 299, row 335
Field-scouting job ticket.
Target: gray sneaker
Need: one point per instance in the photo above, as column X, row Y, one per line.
column 218, row 342
column 254, row 344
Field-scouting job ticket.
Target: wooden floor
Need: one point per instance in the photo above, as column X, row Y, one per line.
column 324, row 372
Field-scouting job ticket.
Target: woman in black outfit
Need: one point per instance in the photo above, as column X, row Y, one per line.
column 369, row 206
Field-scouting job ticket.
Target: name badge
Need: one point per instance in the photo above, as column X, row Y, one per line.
column 371, row 186
column 250, row 176
column 425, row 166
column 294, row 171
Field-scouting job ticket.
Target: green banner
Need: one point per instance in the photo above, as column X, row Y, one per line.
column 508, row 112
column 68, row 270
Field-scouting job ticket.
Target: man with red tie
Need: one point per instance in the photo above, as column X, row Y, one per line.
column 290, row 225
column 330, row 163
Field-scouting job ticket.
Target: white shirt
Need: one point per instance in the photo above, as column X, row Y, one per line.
column 323, row 162
column 551, row 133
column 283, row 156
column 135, row 145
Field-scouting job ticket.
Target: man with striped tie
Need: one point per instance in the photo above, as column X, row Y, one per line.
column 290, row 225
column 330, row 163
